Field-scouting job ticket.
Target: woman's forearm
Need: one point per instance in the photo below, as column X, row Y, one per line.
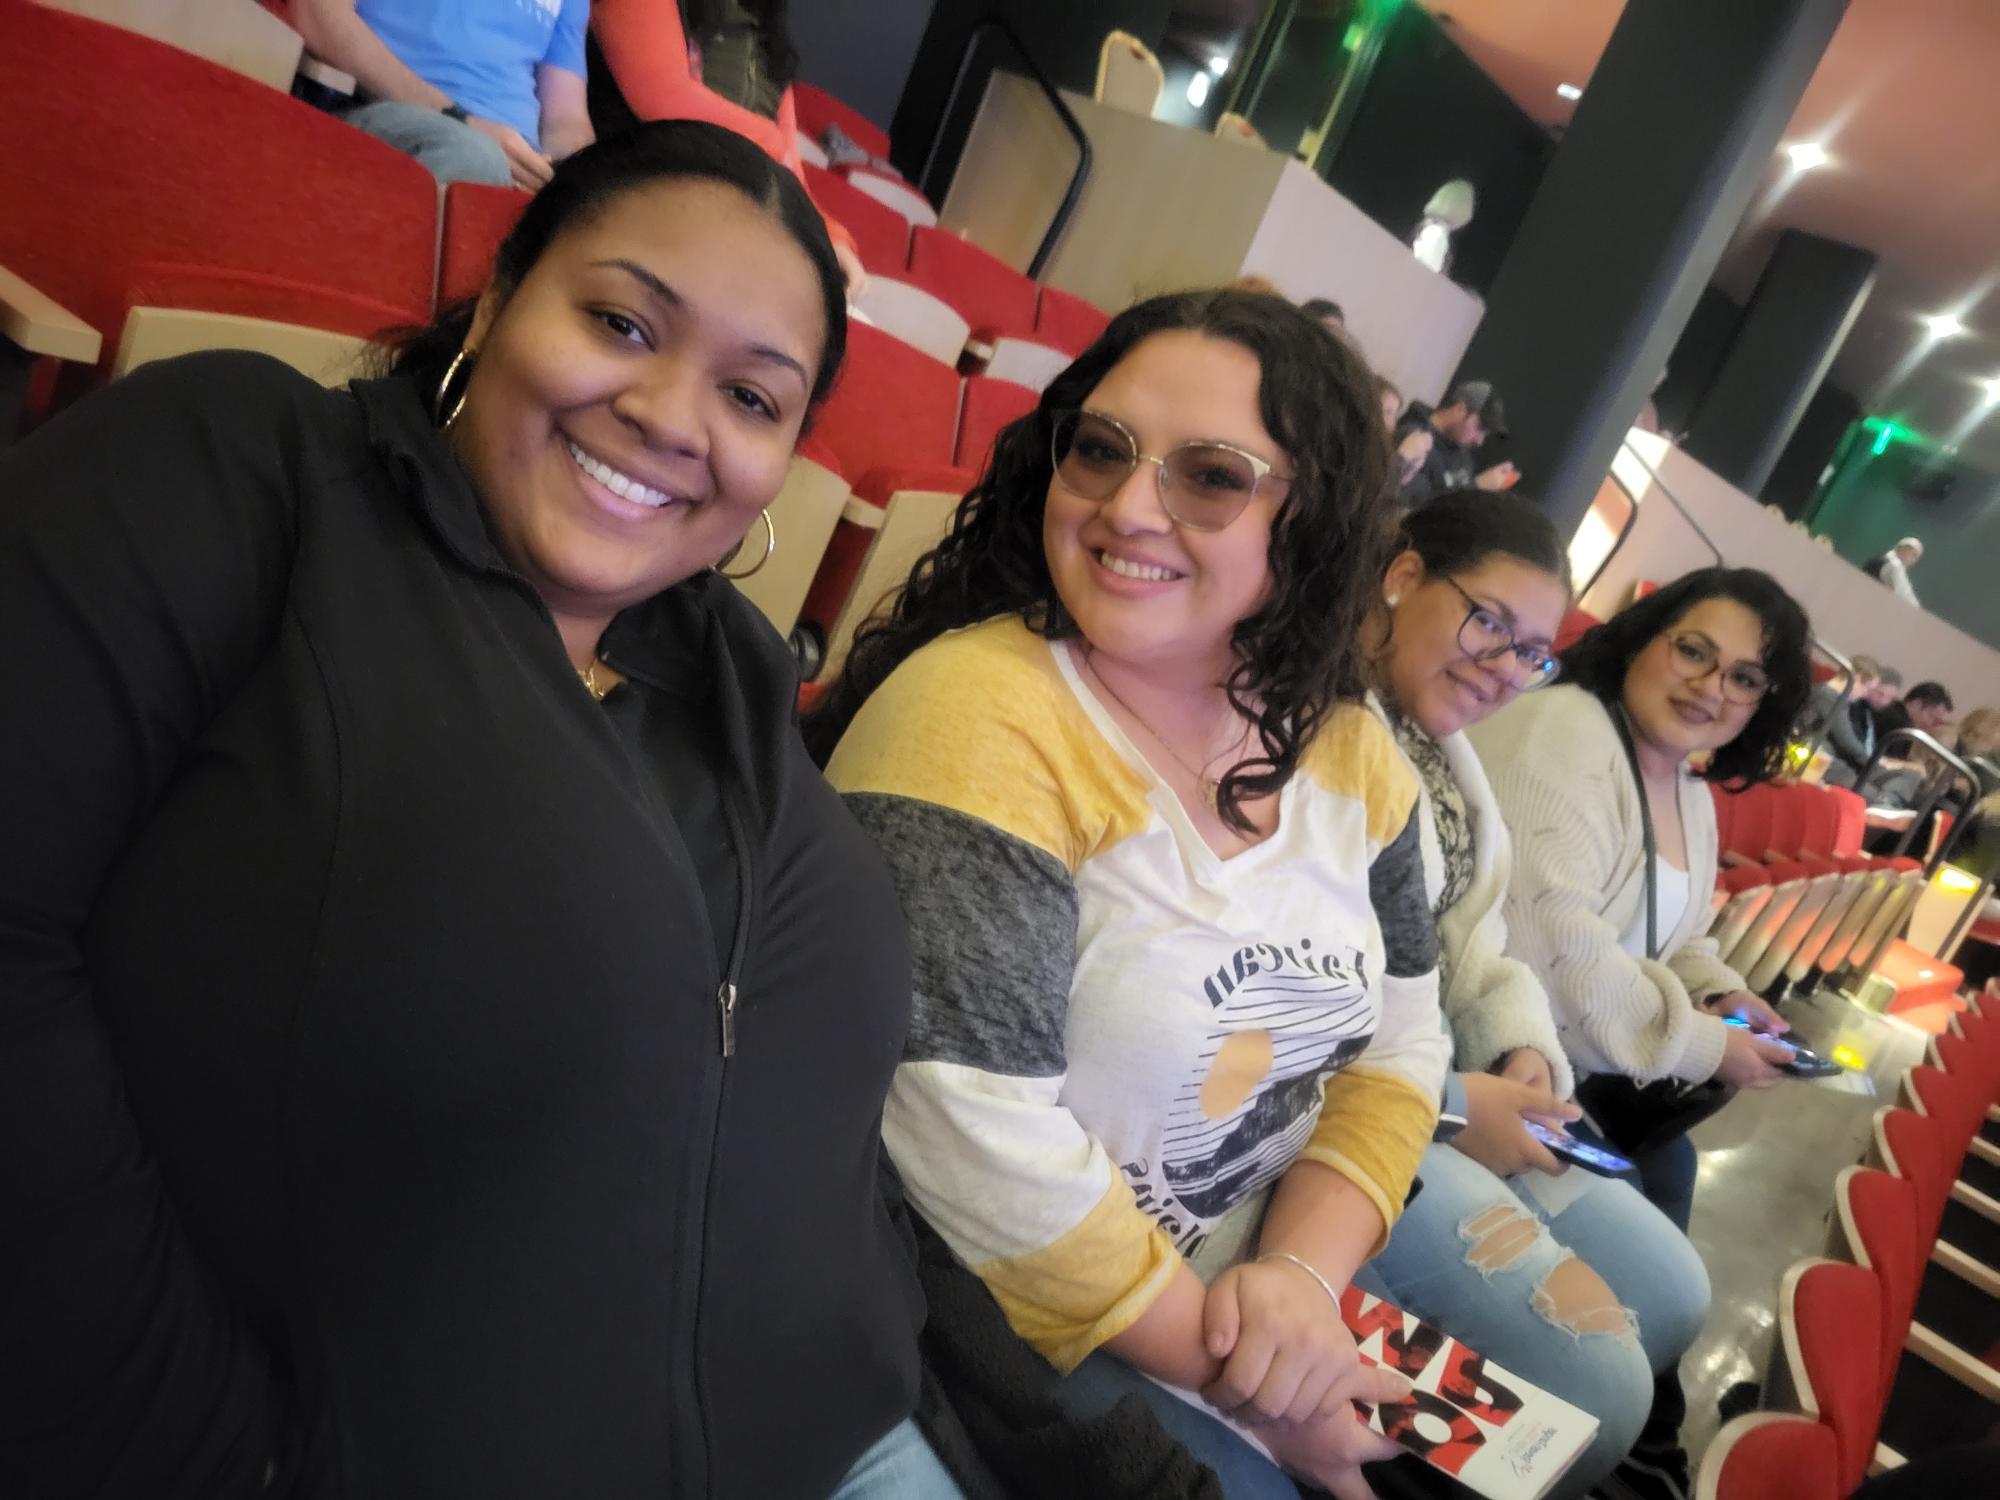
column 1166, row 1342
column 1323, row 1219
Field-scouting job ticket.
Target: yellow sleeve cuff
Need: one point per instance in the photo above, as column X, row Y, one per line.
column 1091, row 1285
column 1373, row 1130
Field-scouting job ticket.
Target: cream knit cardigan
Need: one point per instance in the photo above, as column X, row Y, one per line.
column 1562, row 781
column 1493, row 1003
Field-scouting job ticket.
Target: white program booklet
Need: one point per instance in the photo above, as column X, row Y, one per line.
column 1492, row 1431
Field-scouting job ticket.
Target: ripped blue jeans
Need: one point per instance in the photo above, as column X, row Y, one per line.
column 1504, row 1265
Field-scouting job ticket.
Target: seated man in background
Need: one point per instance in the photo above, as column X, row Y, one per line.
column 490, row 94
column 1927, row 706
column 1896, row 780
column 1848, row 725
column 1470, row 412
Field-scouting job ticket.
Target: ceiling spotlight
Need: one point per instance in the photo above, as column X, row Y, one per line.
column 1568, row 91
column 1992, row 384
column 1944, row 326
column 1218, row 66
column 1806, row 155
column 1197, row 89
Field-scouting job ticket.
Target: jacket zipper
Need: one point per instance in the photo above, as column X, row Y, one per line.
column 739, row 940
column 727, row 995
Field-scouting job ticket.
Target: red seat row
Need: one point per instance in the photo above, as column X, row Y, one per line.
column 134, row 173
column 1873, row 1383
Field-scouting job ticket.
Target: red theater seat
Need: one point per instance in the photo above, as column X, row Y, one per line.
column 893, row 406
column 989, row 294
column 881, row 235
column 131, row 169
column 817, row 109
column 477, row 217
column 989, row 406
column 1830, row 1316
column 1067, row 322
column 1878, row 1215
column 1574, row 624
column 1763, row 1454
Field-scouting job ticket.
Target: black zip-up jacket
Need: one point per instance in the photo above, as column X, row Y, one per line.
column 366, row 1128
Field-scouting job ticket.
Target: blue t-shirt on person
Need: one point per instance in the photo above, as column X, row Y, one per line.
column 484, row 52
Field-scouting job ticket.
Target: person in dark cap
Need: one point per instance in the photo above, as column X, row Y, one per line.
column 1468, row 415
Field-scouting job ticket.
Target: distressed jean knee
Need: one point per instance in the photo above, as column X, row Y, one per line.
column 1567, row 1294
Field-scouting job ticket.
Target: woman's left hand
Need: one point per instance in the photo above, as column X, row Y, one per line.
column 1286, row 1354
column 1750, row 1010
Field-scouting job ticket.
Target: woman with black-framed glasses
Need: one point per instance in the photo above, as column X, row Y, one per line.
column 1572, row 1280
column 1615, row 865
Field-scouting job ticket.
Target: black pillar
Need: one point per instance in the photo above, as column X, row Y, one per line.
column 1810, row 293
column 1676, row 128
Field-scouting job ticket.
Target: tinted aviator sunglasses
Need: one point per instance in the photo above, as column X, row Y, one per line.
column 1203, row 485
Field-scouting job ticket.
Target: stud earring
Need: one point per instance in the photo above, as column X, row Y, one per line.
column 1393, row 600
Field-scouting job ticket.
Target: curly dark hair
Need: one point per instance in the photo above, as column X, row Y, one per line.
column 584, row 183
column 1299, row 654
column 1600, row 659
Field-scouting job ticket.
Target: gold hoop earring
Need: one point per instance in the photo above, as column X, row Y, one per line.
column 444, row 387
column 770, row 546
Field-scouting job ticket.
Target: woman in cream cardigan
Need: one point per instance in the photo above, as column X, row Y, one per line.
column 1713, row 664
column 1572, row 1280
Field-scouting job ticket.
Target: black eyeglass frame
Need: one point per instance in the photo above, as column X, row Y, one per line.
column 1714, row 656
column 1550, row 666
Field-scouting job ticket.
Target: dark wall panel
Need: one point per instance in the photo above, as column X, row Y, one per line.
column 1795, row 481
column 1697, row 356
column 860, row 51
column 1429, row 114
column 1063, row 35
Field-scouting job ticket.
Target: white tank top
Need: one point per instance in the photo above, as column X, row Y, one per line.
column 1672, row 887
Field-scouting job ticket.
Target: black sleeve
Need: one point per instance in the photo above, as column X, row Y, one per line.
column 146, row 538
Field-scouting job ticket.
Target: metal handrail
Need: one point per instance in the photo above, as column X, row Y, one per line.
column 1935, row 789
column 1067, row 208
column 1840, row 704
column 1672, row 499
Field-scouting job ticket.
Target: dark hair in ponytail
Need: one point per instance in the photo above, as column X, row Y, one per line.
column 582, row 187
column 1458, row 531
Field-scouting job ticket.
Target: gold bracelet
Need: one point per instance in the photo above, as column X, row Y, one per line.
column 1324, row 1285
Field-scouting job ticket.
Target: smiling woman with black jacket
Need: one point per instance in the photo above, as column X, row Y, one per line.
column 444, row 1017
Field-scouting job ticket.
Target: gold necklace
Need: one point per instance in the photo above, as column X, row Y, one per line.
column 1206, row 784
column 589, row 676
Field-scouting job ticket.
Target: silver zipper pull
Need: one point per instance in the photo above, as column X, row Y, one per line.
column 726, row 996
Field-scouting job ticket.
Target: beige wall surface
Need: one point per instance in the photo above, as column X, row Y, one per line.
column 1412, row 323
column 1850, row 610
column 1166, row 207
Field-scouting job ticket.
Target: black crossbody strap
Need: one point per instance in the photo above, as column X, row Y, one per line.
column 1617, row 713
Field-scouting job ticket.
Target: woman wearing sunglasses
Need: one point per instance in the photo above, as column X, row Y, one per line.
column 1571, row 1280
column 1177, row 1048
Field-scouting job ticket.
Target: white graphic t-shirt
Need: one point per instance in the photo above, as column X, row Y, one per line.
column 1120, row 1037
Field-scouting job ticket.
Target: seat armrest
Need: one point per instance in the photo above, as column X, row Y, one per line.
column 326, row 75
column 36, row 324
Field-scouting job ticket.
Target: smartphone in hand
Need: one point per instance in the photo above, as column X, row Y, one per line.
column 1569, row 1148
